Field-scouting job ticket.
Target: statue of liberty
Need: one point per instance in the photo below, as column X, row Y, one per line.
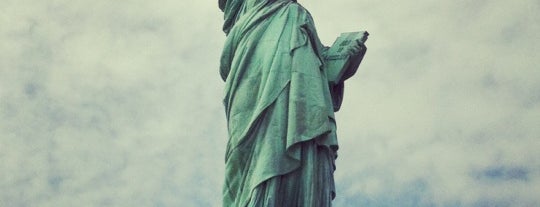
column 279, row 107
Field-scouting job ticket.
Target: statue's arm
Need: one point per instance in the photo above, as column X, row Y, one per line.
column 339, row 70
column 324, row 51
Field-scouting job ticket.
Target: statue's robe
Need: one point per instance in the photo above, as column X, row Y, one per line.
column 282, row 133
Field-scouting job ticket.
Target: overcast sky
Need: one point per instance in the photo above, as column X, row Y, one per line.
column 118, row 103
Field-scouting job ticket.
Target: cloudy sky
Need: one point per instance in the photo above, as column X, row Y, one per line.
column 118, row 103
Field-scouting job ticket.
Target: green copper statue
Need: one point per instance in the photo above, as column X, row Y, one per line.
column 279, row 105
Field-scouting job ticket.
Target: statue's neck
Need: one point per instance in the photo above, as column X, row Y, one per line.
column 235, row 9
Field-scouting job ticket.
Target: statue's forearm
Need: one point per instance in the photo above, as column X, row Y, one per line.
column 324, row 50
